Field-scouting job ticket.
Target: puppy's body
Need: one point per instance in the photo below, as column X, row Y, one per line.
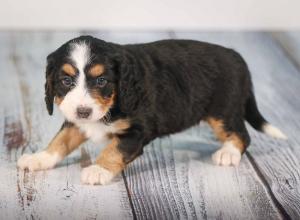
column 132, row 94
column 188, row 81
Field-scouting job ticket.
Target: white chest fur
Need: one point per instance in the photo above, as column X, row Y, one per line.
column 96, row 131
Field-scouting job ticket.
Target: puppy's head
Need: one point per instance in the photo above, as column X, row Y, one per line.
column 80, row 79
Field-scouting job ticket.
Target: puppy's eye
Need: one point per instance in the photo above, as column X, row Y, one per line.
column 101, row 82
column 67, row 81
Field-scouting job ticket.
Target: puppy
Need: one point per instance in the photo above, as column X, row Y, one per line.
column 132, row 94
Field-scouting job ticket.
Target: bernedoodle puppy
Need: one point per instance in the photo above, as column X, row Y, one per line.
column 132, row 94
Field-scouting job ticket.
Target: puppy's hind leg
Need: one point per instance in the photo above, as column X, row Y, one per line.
column 235, row 139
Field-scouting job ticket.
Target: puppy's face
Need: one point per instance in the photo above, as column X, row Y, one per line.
column 81, row 80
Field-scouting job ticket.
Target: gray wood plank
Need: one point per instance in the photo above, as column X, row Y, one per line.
column 290, row 42
column 12, row 134
column 57, row 193
column 175, row 179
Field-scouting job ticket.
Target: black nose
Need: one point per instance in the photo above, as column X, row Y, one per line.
column 83, row 112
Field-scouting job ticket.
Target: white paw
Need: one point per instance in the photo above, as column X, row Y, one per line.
column 38, row 161
column 226, row 156
column 96, row 174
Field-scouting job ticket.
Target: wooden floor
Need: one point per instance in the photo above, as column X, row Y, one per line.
column 175, row 178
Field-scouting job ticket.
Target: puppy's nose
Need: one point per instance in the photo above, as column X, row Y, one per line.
column 83, row 112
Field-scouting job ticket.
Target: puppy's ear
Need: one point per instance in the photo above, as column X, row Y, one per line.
column 130, row 86
column 49, row 85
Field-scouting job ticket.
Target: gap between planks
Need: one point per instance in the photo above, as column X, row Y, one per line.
column 268, row 188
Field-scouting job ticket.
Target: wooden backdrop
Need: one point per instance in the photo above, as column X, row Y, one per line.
column 175, row 178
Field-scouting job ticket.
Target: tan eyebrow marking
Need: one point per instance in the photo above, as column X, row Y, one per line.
column 69, row 69
column 96, row 70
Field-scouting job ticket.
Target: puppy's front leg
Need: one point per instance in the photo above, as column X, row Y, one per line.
column 111, row 161
column 67, row 140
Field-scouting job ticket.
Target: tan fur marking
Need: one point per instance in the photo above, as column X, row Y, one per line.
column 111, row 158
column 96, row 70
column 121, row 125
column 67, row 140
column 69, row 69
column 218, row 127
column 58, row 100
column 105, row 103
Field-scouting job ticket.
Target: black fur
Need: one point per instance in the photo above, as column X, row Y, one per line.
column 49, row 85
column 167, row 86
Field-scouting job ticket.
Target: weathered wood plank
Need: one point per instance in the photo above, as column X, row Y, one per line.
column 57, row 193
column 175, row 179
column 12, row 126
column 290, row 42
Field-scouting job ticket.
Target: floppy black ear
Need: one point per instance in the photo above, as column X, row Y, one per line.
column 130, row 87
column 49, row 85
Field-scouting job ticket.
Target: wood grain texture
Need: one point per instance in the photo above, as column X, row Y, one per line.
column 175, row 178
column 290, row 42
column 57, row 193
column 10, row 124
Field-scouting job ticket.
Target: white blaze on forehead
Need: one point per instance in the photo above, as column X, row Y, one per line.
column 80, row 54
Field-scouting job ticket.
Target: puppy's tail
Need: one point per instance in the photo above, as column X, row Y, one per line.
column 257, row 121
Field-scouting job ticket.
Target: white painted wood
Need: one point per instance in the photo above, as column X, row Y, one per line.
column 12, row 126
column 290, row 42
column 57, row 193
column 175, row 179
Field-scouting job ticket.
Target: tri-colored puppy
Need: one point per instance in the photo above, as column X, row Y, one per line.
column 132, row 94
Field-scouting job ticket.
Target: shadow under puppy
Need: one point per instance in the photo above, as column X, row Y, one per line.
column 132, row 94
